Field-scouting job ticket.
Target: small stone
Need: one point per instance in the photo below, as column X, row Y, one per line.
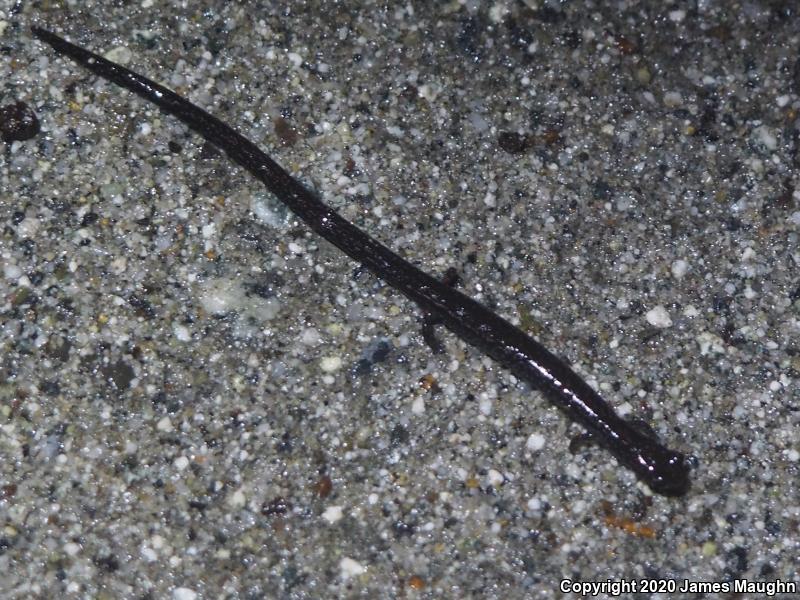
column 332, row 514
column 182, row 333
column 183, row 593
column 536, row 442
column 285, row 132
column 766, row 136
column 512, row 142
column 18, row 122
column 295, row 59
column 709, row 549
column 494, row 478
column 237, row 499
column 677, row 16
column 329, row 364
column 120, row 55
column 12, row 271
column 350, row 568
column 658, row 317
column 643, row 75
column 672, row 99
column 119, row 373
column 679, row 268
column 277, row 506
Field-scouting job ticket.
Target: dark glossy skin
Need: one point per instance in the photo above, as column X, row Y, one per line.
column 664, row 470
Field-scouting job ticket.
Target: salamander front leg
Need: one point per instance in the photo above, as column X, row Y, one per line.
column 451, row 278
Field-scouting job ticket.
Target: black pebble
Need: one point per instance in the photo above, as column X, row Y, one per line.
column 513, row 143
column 18, row 122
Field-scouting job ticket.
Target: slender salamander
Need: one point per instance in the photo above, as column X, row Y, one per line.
column 664, row 470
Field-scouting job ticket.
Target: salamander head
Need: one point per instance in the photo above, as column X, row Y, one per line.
column 665, row 471
column 668, row 475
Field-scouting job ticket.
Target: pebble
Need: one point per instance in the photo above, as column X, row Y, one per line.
column 351, row 568
column 183, row 593
column 18, row 122
column 182, row 333
column 658, row 317
column 679, row 268
column 494, row 478
column 536, row 442
column 330, row 364
column 332, row 514
column 121, row 55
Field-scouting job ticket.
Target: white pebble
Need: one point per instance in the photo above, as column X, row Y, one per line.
column 28, row 227
column 333, row 514
column 181, row 463
column 766, row 137
column 164, row 424
column 350, row 568
column 658, row 317
column 329, row 364
column 679, row 268
column 121, row 55
column 267, row 211
column 536, row 442
column 494, row 478
column 429, row 91
column 148, row 554
column 498, row 11
column 71, row 548
column 310, row 336
column 418, row 406
column 237, row 499
column 183, row 593
column 12, row 271
column 676, row 16
column 220, row 296
column 209, row 230
column 793, row 455
column 295, row 59
column 181, row 332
